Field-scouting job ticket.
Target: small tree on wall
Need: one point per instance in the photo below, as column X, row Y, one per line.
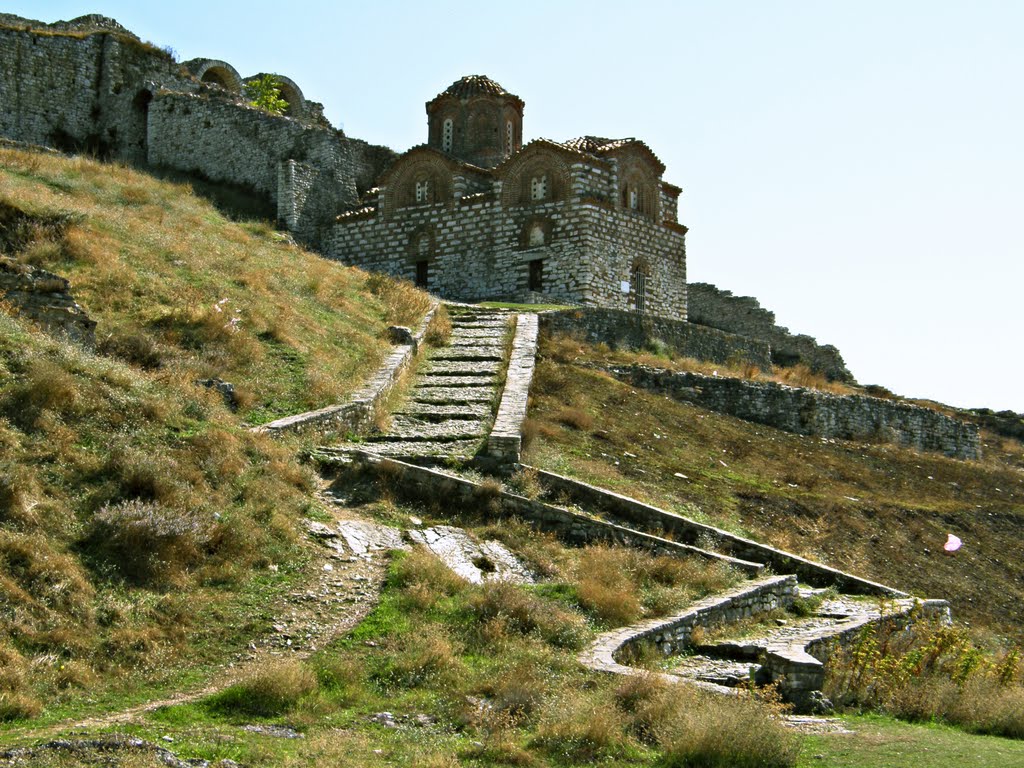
column 264, row 93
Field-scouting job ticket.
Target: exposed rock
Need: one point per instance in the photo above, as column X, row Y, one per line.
column 44, row 298
column 226, row 389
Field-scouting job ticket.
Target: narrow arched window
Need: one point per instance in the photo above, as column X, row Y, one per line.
column 446, row 135
column 422, row 191
column 509, row 138
column 539, row 187
column 634, row 199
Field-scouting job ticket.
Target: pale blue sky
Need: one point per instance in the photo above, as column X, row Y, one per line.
column 855, row 165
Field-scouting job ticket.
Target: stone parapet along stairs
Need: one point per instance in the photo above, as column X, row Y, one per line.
column 450, row 408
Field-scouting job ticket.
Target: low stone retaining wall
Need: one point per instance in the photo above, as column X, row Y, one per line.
column 505, row 441
column 680, row 528
column 458, row 493
column 672, row 634
column 810, row 412
column 636, row 331
column 798, row 666
column 357, row 415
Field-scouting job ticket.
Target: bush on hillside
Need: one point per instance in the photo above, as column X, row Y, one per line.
column 146, row 542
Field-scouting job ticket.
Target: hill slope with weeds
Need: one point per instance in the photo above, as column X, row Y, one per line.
column 877, row 510
column 141, row 523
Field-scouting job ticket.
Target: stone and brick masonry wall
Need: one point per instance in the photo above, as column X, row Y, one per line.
column 743, row 315
column 810, row 412
column 505, row 441
column 478, row 251
column 309, row 172
column 635, row 331
column 71, row 91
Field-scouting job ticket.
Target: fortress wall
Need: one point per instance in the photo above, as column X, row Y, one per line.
column 720, row 309
column 229, row 142
column 810, row 412
column 635, row 331
column 75, row 92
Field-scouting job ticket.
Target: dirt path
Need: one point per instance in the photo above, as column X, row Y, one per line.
column 339, row 592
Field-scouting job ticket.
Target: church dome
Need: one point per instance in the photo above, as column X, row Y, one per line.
column 474, row 85
column 476, row 120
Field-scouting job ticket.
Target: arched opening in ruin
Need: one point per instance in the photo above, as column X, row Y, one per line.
column 222, row 77
column 140, row 124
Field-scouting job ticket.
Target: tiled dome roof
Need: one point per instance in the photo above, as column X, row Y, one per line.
column 474, row 85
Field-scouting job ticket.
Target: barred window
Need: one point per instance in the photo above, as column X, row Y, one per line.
column 446, row 135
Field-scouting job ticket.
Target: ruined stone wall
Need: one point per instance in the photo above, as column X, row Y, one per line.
column 720, row 309
column 79, row 87
column 75, row 91
column 635, row 331
column 810, row 412
column 479, row 250
column 230, row 142
column 44, row 298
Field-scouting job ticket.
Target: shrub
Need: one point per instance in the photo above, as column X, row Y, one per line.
column 731, row 733
column 132, row 347
column 424, row 578
column 19, row 706
column 440, row 330
column 575, row 418
column 32, row 571
column 928, row 672
column 147, row 542
column 605, row 587
column 274, row 688
column 526, row 613
column 425, row 657
column 583, row 726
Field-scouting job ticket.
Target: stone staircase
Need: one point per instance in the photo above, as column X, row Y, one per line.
column 447, row 417
column 450, row 408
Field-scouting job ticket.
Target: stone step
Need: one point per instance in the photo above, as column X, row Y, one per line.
column 477, row 333
column 437, row 411
column 453, row 395
column 493, row 340
column 461, row 367
column 492, row 325
column 406, row 428
column 459, row 450
column 469, row 353
column 448, row 380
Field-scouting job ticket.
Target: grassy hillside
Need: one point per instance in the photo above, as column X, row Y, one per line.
column 877, row 510
column 140, row 520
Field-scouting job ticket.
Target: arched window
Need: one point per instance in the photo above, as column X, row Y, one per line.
column 639, row 279
column 539, row 187
column 446, row 135
column 509, row 138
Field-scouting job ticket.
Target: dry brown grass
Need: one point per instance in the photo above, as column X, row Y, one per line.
column 874, row 509
column 440, row 330
column 275, row 687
